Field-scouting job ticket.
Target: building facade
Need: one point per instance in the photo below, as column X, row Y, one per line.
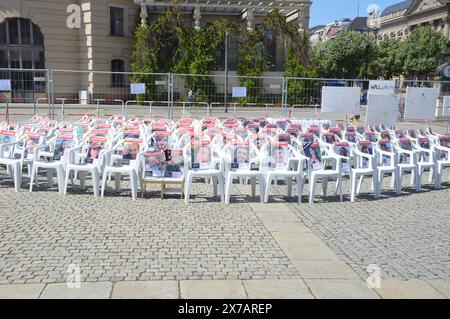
column 397, row 21
column 95, row 37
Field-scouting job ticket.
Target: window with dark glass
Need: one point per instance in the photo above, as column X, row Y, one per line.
column 22, row 47
column 117, row 79
column 116, row 21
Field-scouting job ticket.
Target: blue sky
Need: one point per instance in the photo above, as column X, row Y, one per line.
column 325, row 11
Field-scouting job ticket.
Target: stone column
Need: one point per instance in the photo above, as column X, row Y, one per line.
column 250, row 19
column 446, row 27
column 197, row 17
column 144, row 13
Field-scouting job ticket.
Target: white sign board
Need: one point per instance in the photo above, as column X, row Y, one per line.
column 239, row 91
column 160, row 82
column 420, row 103
column 5, row 85
column 446, row 106
column 337, row 99
column 137, row 88
column 382, row 109
column 83, row 97
column 382, row 87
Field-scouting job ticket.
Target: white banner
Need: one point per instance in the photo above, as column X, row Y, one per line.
column 382, row 87
column 239, row 91
column 337, row 99
column 5, row 85
column 382, row 109
column 420, row 103
column 137, row 88
column 446, row 106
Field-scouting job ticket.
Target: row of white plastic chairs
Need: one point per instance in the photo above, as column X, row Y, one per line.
column 300, row 166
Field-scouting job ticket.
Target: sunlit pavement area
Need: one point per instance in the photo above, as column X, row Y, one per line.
column 153, row 248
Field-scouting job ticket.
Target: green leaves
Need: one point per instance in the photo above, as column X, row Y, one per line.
column 345, row 56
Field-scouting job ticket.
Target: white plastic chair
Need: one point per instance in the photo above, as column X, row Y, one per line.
column 216, row 174
column 132, row 170
column 231, row 175
column 387, row 162
column 95, row 169
column 407, row 162
column 365, row 166
column 324, row 174
column 442, row 154
column 58, row 166
column 14, row 166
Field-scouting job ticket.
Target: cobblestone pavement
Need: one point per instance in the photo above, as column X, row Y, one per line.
column 408, row 236
column 115, row 238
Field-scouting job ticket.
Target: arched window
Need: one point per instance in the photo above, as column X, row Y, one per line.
column 117, row 79
column 22, row 47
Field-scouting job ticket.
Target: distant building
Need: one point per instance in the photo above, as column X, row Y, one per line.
column 332, row 29
column 398, row 20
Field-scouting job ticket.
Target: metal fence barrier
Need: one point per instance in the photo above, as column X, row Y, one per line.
column 64, row 94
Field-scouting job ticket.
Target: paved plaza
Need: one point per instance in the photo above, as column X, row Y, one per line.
column 152, row 248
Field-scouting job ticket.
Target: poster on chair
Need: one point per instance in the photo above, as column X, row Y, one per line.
column 343, row 149
column 278, row 155
column 62, row 144
column 164, row 164
column 33, row 140
column 382, row 109
column 161, row 141
column 240, row 156
column 201, row 155
column 341, row 99
column 130, row 150
column 313, row 152
column 95, row 146
column 7, row 137
column 420, row 103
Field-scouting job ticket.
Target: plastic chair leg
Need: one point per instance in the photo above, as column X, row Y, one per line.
column 133, row 182
column 66, row 181
column 354, row 185
column 253, row 185
column 32, row 177
column 17, row 176
column 261, row 188
column 105, row 177
column 339, row 181
column 214, row 182
column 60, row 177
column 187, row 188
column 324, row 186
column 268, row 186
column 312, row 188
column 221, row 188
column 96, row 181
column 228, row 185
column 300, row 185
column 117, row 178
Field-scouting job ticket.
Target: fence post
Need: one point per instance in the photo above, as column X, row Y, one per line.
column 284, row 95
column 170, row 95
column 7, row 111
column 50, row 93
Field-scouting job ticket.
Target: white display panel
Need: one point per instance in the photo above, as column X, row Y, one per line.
column 341, row 99
column 382, row 109
column 382, row 87
column 420, row 103
column 5, row 85
column 240, row 91
column 446, row 106
column 137, row 88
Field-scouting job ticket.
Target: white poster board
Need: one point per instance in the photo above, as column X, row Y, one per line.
column 341, row 99
column 446, row 106
column 83, row 95
column 382, row 109
column 240, row 91
column 137, row 88
column 5, row 85
column 420, row 103
column 382, row 87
